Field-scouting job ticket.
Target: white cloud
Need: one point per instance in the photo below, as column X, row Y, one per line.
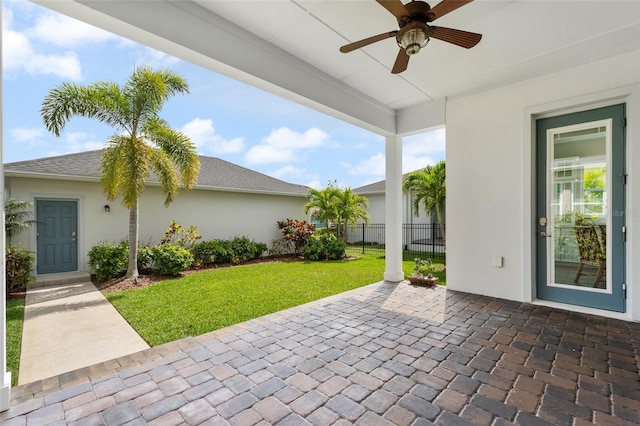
column 372, row 166
column 288, row 172
column 315, row 184
column 410, row 164
column 72, row 142
column 422, row 150
column 25, row 135
column 428, row 143
column 156, row 59
column 417, row 152
column 66, row 32
column 284, row 145
column 203, row 134
column 19, row 55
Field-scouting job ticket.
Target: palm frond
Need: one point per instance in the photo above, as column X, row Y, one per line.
column 163, row 167
column 178, row 148
column 111, row 170
column 17, row 213
column 101, row 101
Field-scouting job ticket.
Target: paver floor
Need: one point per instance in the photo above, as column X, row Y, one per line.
column 382, row 354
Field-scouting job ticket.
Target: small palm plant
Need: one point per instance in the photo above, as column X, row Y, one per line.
column 17, row 214
column 423, row 272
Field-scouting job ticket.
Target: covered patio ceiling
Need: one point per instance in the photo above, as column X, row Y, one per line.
column 290, row 47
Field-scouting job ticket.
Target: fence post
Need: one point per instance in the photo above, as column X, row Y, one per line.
column 362, row 237
column 433, row 240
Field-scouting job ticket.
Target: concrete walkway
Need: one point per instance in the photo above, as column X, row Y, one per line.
column 70, row 325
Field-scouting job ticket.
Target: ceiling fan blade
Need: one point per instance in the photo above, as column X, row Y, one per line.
column 460, row 38
column 366, row 41
column 395, row 7
column 446, row 6
column 402, row 60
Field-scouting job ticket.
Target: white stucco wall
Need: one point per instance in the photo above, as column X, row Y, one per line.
column 490, row 166
column 216, row 214
column 376, row 210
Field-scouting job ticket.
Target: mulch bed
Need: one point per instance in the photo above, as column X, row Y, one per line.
column 122, row 283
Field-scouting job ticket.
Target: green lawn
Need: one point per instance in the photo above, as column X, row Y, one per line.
column 212, row 299
column 15, row 318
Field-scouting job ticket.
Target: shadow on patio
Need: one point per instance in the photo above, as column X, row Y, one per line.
column 382, row 354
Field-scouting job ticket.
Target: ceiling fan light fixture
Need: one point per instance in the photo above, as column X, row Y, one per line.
column 413, row 37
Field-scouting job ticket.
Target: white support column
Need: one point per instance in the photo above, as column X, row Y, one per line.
column 393, row 210
column 5, row 376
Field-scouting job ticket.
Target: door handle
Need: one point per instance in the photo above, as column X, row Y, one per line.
column 73, row 236
column 544, row 234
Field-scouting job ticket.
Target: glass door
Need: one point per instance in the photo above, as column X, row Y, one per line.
column 580, row 208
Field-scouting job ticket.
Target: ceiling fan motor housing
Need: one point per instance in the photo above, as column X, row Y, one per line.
column 414, row 32
column 418, row 11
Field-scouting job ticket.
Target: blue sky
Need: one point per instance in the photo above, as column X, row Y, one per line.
column 224, row 118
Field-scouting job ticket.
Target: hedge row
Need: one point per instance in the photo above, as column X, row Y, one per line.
column 109, row 260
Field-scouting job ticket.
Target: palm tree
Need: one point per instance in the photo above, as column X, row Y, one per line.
column 16, row 220
column 322, row 204
column 350, row 208
column 143, row 142
column 429, row 189
column 336, row 206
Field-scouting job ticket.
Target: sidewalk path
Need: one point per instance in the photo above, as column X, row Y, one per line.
column 70, row 326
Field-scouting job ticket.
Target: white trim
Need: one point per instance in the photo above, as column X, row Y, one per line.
column 5, row 376
column 582, row 309
column 94, row 179
column 630, row 96
column 393, row 210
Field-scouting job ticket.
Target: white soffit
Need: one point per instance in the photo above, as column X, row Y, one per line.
column 290, row 47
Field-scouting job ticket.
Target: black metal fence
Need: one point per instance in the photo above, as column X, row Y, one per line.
column 419, row 238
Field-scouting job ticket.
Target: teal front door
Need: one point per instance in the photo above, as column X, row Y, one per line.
column 57, row 236
column 580, row 217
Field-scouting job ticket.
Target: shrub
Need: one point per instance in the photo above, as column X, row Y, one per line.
column 213, row 251
column 243, row 249
column 260, row 249
column 19, row 268
column 336, row 247
column 171, row 259
column 297, row 231
column 145, row 257
column 324, row 247
column 281, row 247
column 108, row 260
column 204, row 252
column 178, row 235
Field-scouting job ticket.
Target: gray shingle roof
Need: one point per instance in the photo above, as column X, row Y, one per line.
column 214, row 173
column 375, row 187
column 371, row 188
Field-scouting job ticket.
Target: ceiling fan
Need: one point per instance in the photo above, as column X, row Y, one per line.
column 415, row 31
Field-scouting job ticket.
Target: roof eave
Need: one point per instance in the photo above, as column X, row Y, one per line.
column 95, row 179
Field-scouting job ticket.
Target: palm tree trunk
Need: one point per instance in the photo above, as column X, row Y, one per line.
column 132, row 269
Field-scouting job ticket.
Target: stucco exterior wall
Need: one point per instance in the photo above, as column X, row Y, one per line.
column 216, row 214
column 490, row 167
column 376, row 210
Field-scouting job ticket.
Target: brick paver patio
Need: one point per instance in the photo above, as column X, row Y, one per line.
column 383, row 354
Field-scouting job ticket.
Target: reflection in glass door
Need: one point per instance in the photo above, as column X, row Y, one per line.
column 580, row 211
column 578, row 205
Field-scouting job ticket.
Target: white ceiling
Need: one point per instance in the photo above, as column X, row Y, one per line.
column 290, row 47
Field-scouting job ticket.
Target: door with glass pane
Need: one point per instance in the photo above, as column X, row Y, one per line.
column 580, row 217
